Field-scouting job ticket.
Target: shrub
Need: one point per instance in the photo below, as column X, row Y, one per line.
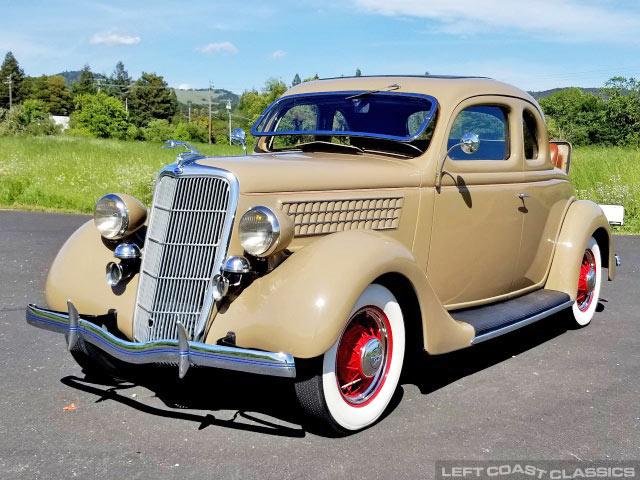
column 190, row 132
column 158, row 131
column 30, row 118
column 100, row 115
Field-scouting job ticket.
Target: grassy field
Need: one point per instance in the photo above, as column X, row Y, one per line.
column 69, row 174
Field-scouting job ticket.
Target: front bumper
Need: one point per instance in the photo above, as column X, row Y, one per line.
column 181, row 352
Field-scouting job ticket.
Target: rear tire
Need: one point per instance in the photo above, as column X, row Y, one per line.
column 351, row 385
column 589, row 283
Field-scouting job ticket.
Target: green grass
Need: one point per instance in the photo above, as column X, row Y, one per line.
column 610, row 175
column 68, row 174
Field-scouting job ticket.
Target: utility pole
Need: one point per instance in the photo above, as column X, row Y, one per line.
column 229, row 112
column 210, row 85
column 10, row 82
column 189, row 103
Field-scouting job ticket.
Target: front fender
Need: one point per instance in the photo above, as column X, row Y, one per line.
column 78, row 274
column 583, row 220
column 301, row 307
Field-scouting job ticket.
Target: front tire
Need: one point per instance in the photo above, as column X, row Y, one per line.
column 589, row 283
column 352, row 385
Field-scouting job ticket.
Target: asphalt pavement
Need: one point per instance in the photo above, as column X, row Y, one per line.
column 543, row 392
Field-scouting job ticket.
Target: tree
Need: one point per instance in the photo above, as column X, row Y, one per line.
column 358, row 72
column 296, row 80
column 310, row 79
column 574, row 115
column 252, row 103
column 10, row 70
column 621, row 115
column 100, row 115
column 53, row 92
column 85, row 83
column 119, row 82
column 151, row 98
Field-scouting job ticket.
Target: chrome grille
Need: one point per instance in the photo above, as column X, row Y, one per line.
column 188, row 232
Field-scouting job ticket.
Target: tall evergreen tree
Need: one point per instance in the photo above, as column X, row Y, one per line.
column 151, row 98
column 85, row 83
column 10, row 71
column 296, row 80
column 358, row 72
column 120, row 82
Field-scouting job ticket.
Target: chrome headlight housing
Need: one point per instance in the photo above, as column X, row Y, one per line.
column 263, row 232
column 111, row 216
column 118, row 215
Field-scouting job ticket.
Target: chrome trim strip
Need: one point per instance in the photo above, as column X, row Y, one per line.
column 520, row 324
column 178, row 352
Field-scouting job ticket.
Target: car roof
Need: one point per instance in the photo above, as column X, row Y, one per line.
column 446, row 89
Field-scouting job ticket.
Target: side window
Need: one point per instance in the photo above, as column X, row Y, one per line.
column 530, row 135
column 490, row 123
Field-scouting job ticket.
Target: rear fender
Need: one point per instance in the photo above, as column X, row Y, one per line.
column 302, row 306
column 584, row 219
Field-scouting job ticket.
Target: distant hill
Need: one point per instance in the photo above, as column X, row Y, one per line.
column 73, row 75
column 546, row 93
column 200, row 97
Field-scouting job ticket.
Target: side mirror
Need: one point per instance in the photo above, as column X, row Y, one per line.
column 238, row 137
column 469, row 143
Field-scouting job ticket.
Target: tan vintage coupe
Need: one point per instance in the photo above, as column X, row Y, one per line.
column 376, row 215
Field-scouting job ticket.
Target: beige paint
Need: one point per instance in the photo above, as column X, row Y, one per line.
column 453, row 255
column 78, row 274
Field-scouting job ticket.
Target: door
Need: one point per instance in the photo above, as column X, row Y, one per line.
column 477, row 223
column 548, row 193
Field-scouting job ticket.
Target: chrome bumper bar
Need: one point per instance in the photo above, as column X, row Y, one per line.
column 179, row 352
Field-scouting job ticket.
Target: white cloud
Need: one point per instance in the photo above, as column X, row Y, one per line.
column 113, row 39
column 278, row 54
column 557, row 20
column 222, row 47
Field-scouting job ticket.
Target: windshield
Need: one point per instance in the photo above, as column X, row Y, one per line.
column 400, row 117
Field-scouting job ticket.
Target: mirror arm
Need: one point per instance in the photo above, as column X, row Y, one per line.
column 440, row 172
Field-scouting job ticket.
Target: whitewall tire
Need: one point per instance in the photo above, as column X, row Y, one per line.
column 589, row 282
column 354, row 381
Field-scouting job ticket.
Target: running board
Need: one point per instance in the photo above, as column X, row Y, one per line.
column 490, row 321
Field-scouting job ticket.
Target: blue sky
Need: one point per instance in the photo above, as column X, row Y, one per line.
column 534, row 44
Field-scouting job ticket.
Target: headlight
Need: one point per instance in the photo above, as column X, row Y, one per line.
column 117, row 216
column 263, row 232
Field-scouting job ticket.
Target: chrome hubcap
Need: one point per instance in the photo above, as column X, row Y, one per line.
column 591, row 280
column 371, row 357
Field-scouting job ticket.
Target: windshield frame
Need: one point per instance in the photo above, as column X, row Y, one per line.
column 346, row 133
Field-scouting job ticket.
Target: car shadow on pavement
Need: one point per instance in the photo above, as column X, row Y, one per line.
column 251, row 397
column 254, row 396
column 432, row 372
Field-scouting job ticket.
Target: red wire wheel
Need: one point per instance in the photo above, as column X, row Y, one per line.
column 587, row 281
column 364, row 355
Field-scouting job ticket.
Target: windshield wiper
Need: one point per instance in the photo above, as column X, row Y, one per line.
column 389, row 88
column 327, row 146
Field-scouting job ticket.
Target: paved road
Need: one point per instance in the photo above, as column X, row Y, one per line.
column 540, row 393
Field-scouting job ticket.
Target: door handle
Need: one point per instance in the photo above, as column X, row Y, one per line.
column 524, row 195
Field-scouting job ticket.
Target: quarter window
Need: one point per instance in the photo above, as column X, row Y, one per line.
column 490, row 123
column 530, row 135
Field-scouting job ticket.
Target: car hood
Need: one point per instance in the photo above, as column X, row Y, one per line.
column 297, row 171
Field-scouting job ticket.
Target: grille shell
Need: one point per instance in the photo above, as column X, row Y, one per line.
column 187, row 239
